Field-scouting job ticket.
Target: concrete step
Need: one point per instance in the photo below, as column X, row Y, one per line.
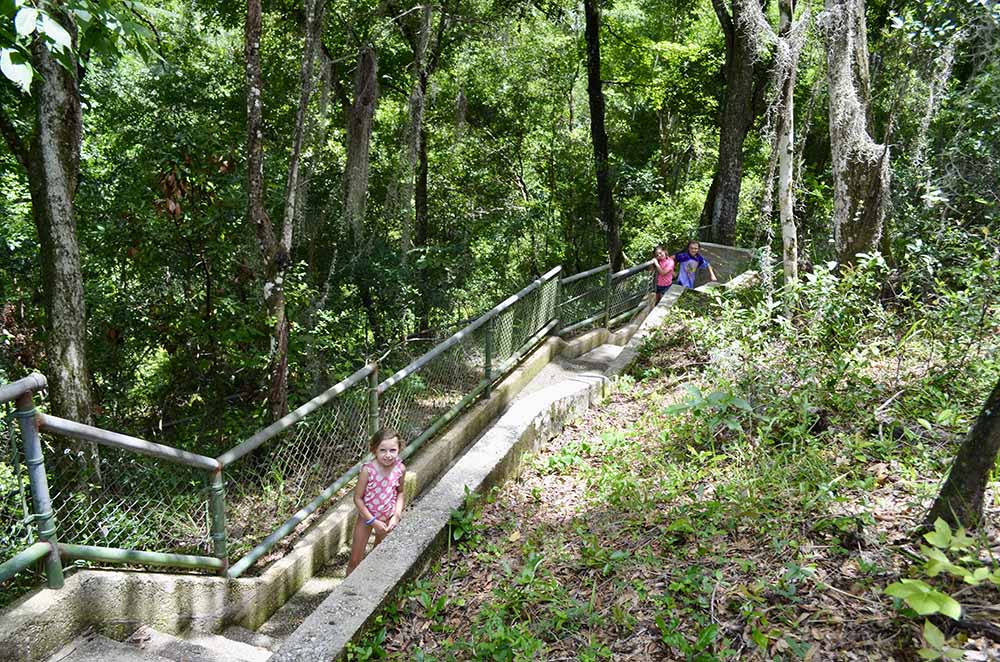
column 196, row 647
column 91, row 647
column 238, row 633
column 291, row 614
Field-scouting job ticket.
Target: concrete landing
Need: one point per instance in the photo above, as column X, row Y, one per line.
column 561, row 369
column 149, row 645
column 98, row 648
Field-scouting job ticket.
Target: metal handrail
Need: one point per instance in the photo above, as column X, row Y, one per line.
column 216, row 466
column 293, row 417
column 584, row 274
column 456, row 338
column 625, row 273
column 34, row 382
column 85, row 432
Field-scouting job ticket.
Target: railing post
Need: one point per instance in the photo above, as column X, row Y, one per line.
column 41, row 502
column 556, row 306
column 488, row 358
column 374, row 420
column 217, row 517
column 607, row 300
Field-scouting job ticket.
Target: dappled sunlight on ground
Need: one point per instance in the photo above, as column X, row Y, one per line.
column 633, row 535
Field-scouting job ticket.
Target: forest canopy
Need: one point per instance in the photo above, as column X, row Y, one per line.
column 408, row 166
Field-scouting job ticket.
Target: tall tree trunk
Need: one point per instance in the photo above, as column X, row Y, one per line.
column 314, row 10
column 274, row 296
column 359, row 132
column 744, row 76
column 275, row 251
column 960, row 502
column 598, row 134
column 786, row 153
column 419, row 41
column 50, row 156
column 860, row 165
column 53, row 171
column 423, row 229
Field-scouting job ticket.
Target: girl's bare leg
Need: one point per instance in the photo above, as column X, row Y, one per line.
column 358, row 544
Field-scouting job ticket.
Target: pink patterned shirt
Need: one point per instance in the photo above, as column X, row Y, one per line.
column 381, row 492
column 664, row 280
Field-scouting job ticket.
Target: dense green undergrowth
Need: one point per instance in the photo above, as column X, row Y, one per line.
column 749, row 492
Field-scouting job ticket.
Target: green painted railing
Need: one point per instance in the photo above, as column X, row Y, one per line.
column 119, row 499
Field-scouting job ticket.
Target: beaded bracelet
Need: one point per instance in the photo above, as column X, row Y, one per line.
column 371, row 521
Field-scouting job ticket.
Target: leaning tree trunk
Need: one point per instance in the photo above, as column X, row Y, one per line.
column 960, row 502
column 598, row 134
column 741, row 106
column 274, row 259
column 275, row 251
column 860, row 165
column 53, row 167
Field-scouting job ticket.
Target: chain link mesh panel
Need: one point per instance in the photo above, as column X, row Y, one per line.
column 111, row 497
column 581, row 299
column 17, row 531
column 413, row 404
column 628, row 291
column 267, row 486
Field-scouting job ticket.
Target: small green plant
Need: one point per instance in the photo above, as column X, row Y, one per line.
column 699, row 651
column 937, row 648
column 369, row 648
column 926, row 600
column 718, row 409
column 463, row 524
column 595, row 554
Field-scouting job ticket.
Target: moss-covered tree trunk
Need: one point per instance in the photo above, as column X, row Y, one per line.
column 53, row 169
column 960, row 502
column 860, row 165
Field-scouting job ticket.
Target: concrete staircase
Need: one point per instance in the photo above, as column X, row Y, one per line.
column 235, row 644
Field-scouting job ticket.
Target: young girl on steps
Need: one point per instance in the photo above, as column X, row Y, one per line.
column 378, row 495
column 664, row 266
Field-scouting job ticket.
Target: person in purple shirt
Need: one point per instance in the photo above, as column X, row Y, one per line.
column 689, row 262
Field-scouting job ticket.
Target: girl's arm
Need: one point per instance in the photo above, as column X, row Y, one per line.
column 663, row 271
column 359, row 495
column 397, row 512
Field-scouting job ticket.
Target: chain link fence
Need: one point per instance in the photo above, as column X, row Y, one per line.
column 116, row 496
column 110, row 497
column 627, row 291
column 582, row 300
column 274, row 481
column 597, row 297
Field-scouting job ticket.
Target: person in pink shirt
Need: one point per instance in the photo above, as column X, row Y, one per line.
column 378, row 496
column 664, row 265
